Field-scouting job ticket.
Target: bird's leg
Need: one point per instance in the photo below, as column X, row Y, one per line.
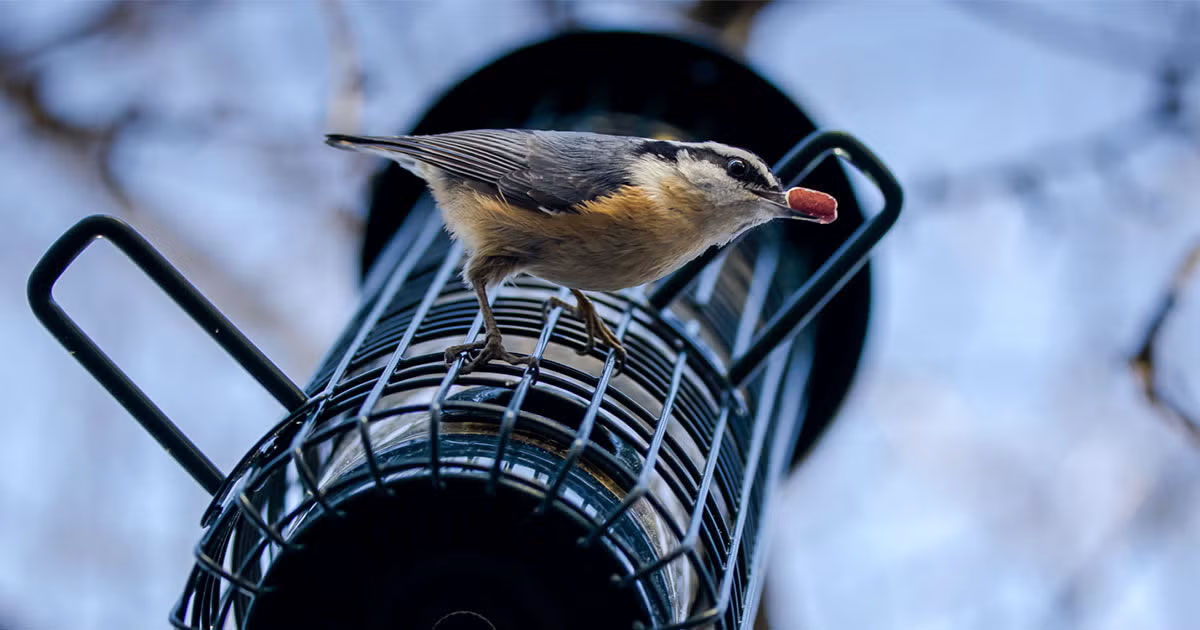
column 492, row 346
column 600, row 327
column 575, row 312
column 586, row 312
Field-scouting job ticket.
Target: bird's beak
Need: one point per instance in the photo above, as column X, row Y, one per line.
column 804, row 204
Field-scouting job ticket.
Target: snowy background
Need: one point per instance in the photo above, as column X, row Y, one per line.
column 1000, row 464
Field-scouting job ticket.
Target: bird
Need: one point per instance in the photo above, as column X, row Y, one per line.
column 585, row 211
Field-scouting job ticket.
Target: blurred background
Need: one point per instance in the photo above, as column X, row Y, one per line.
column 1021, row 448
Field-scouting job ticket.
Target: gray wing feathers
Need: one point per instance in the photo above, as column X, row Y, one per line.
column 547, row 171
column 578, row 167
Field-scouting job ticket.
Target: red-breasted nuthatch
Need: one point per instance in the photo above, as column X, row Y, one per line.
column 586, row 211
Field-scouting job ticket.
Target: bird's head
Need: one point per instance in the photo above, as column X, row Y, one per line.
column 728, row 189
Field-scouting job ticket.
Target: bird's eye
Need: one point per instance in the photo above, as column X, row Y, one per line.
column 736, row 167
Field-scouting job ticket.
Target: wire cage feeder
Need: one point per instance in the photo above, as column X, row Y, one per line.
column 398, row 492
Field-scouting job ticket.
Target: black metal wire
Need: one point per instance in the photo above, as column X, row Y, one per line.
column 648, row 467
column 508, row 421
column 40, row 292
column 762, row 422
column 584, row 433
column 848, row 259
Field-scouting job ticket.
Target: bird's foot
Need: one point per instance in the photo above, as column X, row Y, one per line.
column 488, row 349
column 611, row 339
column 594, row 326
column 571, row 310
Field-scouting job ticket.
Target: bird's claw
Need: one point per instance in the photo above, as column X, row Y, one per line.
column 594, row 327
column 488, row 349
column 577, row 313
column 618, row 348
column 622, row 354
column 555, row 301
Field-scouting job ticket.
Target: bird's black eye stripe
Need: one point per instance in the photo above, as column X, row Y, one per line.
column 747, row 173
column 660, row 148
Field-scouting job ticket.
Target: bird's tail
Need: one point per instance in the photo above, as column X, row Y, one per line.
column 376, row 145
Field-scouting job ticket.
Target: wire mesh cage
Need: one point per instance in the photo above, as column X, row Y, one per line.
column 400, row 492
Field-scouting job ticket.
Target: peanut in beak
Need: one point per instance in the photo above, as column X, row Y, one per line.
column 812, row 205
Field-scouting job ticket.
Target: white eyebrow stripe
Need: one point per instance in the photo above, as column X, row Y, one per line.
column 749, row 157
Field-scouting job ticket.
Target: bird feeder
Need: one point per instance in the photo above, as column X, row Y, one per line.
column 398, row 492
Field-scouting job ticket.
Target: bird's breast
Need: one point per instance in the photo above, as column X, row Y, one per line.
column 615, row 242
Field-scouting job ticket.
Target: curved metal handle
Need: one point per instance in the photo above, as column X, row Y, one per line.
column 807, row 301
column 835, row 272
column 41, row 299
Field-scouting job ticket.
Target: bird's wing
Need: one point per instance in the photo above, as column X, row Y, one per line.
column 550, row 172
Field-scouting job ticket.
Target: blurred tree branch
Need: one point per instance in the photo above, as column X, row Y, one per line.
column 1096, row 41
column 346, row 101
column 116, row 17
column 1169, row 66
column 1148, row 513
column 94, row 150
column 1144, row 361
column 559, row 13
column 20, row 84
column 730, row 19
